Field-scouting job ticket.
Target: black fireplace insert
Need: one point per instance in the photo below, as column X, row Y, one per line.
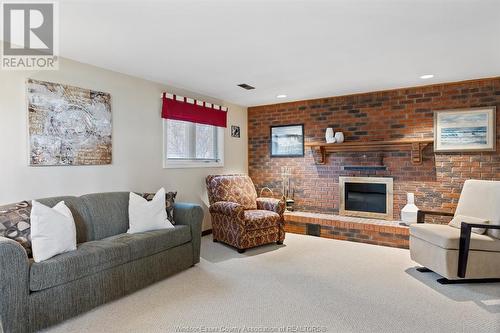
column 366, row 197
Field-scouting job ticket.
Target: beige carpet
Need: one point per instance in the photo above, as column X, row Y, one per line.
column 312, row 283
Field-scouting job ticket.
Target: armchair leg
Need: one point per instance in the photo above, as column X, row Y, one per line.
column 215, row 240
column 241, row 250
column 279, row 242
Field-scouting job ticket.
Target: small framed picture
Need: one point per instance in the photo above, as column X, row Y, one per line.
column 235, row 131
column 287, row 141
column 465, row 130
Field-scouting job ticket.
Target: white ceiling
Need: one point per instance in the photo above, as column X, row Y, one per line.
column 305, row 49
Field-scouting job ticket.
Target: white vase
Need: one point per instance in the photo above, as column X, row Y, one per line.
column 339, row 137
column 410, row 211
column 329, row 136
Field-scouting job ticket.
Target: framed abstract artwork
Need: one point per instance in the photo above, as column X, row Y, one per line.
column 68, row 125
column 287, row 141
column 465, row 130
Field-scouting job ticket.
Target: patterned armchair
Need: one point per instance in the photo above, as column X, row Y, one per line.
column 239, row 218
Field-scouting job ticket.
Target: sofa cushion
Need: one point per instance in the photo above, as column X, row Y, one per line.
column 109, row 213
column 151, row 242
column 260, row 219
column 89, row 258
column 83, row 221
column 448, row 237
column 15, row 224
column 52, row 230
column 169, row 203
column 144, row 215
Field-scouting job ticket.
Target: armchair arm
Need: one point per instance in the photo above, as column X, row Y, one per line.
column 422, row 212
column 228, row 208
column 463, row 249
column 271, row 204
column 191, row 215
column 14, row 286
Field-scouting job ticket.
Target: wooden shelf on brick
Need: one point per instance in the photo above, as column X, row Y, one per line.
column 415, row 145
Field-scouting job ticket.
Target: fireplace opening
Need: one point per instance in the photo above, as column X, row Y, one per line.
column 370, row 197
column 363, row 197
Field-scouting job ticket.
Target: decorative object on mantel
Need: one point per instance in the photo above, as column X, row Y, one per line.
column 235, row 131
column 286, row 173
column 409, row 212
column 68, row 125
column 188, row 109
column 339, row 137
column 465, row 130
column 287, row 141
column 329, row 135
column 416, row 146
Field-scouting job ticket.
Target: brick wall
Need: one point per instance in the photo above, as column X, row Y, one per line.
column 394, row 114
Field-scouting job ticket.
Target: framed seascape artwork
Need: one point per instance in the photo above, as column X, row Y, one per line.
column 68, row 125
column 465, row 130
column 287, row 141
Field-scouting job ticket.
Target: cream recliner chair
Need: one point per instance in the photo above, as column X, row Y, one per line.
column 459, row 253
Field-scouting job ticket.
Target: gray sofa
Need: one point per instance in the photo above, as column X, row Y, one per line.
column 107, row 264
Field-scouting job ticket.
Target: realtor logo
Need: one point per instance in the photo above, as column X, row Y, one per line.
column 29, row 35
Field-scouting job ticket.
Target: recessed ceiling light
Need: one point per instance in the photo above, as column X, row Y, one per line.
column 281, row 96
column 427, row 76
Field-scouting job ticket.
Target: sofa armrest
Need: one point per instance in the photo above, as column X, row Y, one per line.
column 191, row 215
column 14, row 286
column 422, row 212
column 228, row 208
column 463, row 249
column 271, row 204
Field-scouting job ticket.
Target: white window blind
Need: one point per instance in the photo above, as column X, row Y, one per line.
column 188, row 144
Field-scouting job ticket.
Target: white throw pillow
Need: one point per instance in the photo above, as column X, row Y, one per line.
column 53, row 230
column 146, row 215
column 458, row 219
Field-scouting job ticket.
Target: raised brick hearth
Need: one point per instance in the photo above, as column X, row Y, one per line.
column 371, row 231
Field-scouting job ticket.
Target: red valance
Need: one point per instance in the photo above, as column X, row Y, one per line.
column 195, row 113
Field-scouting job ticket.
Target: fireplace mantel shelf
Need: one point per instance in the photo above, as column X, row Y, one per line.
column 416, row 146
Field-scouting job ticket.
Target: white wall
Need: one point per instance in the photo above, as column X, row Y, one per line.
column 137, row 141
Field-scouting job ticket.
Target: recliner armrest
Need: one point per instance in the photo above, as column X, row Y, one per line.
column 479, row 225
column 228, row 208
column 271, row 204
column 14, row 286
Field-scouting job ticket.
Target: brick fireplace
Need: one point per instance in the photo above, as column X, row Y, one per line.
column 385, row 115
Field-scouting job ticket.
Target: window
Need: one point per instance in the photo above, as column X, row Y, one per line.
column 191, row 145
